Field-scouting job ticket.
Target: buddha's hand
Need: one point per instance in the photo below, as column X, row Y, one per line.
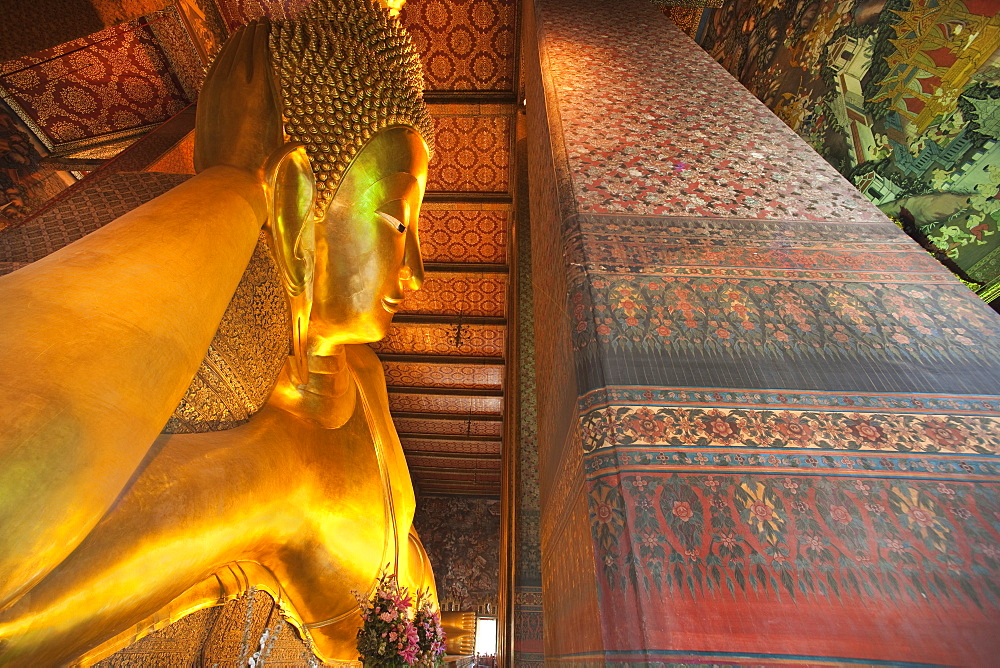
column 239, row 109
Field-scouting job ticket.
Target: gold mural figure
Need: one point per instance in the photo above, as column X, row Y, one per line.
column 316, row 129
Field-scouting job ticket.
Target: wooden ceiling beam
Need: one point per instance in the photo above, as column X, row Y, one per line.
column 472, row 491
column 456, row 417
column 467, row 474
column 437, row 454
column 415, row 358
column 442, row 319
column 466, row 268
column 433, row 97
column 449, row 391
column 444, row 197
column 470, row 438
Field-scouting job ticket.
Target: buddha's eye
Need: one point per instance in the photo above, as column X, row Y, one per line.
column 393, row 221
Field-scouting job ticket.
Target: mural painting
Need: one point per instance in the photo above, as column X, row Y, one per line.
column 462, row 539
column 901, row 96
column 25, row 182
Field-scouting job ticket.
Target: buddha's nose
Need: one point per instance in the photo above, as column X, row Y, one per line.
column 411, row 274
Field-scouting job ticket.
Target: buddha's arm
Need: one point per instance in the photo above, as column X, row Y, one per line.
column 205, row 500
column 98, row 343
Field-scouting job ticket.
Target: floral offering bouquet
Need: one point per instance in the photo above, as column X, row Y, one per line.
column 397, row 632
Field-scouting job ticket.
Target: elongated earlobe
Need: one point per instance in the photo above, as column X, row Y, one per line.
column 291, row 188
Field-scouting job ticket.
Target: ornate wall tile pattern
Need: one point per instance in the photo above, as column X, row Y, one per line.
column 823, row 430
column 625, row 154
column 745, row 499
column 800, row 536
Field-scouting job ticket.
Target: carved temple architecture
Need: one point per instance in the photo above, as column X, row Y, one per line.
column 672, row 390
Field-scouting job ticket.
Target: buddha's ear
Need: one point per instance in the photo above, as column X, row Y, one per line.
column 291, row 189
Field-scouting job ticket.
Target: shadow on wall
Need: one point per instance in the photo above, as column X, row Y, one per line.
column 902, row 96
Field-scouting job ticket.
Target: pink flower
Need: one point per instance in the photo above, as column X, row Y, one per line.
column 761, row 511
column 682, row 511
column 840, row 514
column 411, row 651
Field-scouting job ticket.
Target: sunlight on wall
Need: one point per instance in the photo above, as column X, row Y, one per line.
column 486, row 636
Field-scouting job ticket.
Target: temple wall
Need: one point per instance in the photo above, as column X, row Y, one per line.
column 529, row 650
column 782, row 413
column 902, row 112
column 567, row 557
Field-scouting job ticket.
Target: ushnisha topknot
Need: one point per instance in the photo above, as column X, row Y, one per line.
column 346, row 71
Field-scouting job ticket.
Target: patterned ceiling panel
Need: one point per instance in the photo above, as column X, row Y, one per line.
column 444, row 403
column 236, row 13
column 114, row 80
column 453, row 463
column 459, row 294
column 472, row 154
column 442, row 374
column 476, row 340
column 423, row 446
column 470, row 478
column 463, row 236
column 464, row 44
column 449, row 427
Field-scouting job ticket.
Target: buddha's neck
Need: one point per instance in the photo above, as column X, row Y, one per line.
column 329, row 396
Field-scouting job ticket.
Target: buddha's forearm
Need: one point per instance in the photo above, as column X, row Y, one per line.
column 98, row 343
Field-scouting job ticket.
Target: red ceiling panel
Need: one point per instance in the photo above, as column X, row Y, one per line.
column 472, row 154
column 442, row 374
column 421, row 461
column 240, row 12
column 470, row 427
column 420, row 446
column 477, row 340
column 444, row 403
column 459, row 294
column 464, row 44
column 463, row 236
column 114, row 80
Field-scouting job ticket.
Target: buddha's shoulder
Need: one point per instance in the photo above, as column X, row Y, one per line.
column 367, row 368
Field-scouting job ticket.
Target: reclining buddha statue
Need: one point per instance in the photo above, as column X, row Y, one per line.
column 314, row 129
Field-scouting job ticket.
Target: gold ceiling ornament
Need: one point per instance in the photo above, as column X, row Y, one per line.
column 346, row 71
column 664, row 4
column 393, row 6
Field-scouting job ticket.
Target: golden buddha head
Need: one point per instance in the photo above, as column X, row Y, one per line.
column 351, row 91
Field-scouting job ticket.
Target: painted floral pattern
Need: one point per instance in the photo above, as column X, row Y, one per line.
column 780, row 318
column 800, row 536
column 769, row 428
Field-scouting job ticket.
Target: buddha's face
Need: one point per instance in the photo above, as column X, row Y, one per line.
column 367, row 248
